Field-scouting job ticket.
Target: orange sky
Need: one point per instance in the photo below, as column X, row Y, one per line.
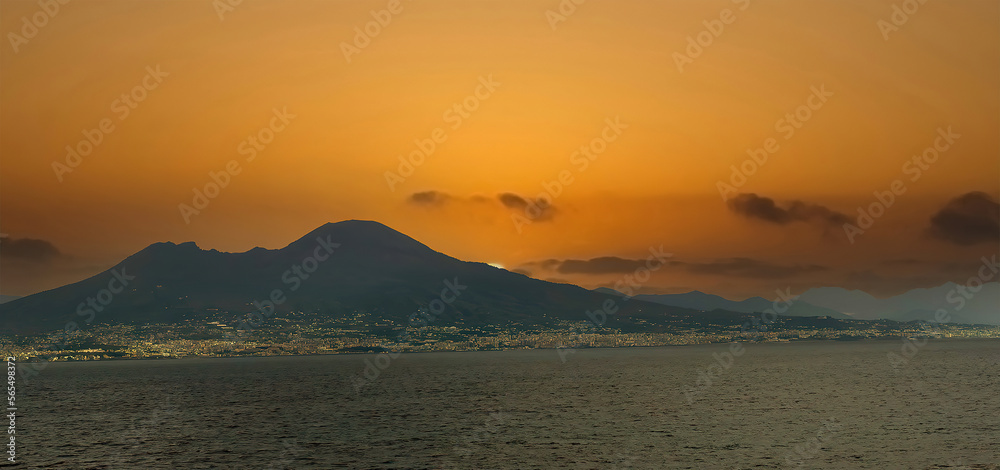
column 655, row 184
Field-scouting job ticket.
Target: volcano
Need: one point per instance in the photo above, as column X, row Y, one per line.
column 337, row 269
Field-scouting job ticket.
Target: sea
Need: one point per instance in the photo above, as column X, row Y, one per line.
column 923, row 404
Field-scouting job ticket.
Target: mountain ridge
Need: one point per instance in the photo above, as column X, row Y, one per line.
column 335, row 269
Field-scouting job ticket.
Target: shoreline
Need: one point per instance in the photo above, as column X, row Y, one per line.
column 600, row 348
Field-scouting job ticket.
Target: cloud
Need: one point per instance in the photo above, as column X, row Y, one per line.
column 538, row 209
column 30, row 265
column 550, row 264
column 428, row 198
column 28, row 249
column 967, row 220
column 748, row 267
column 730, row 267
column 756, row 207
column 534, row 209
column 902, row 262
column 602, row 265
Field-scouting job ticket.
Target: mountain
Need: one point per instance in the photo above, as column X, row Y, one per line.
column 708, row 302
column 963, row 305
column 336, row 270
column 8, row 298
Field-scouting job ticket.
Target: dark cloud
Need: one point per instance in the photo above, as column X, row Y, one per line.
column 902, row 262
column 747, row 267
column 547, row 264
column 646, row 290
column 28, row 249
column 602, row 265
column 730, row 267
column 764, row 208
column 512, row 201
column 968, row 219
column 428, row 198
column 538, row 209
column 29, row 265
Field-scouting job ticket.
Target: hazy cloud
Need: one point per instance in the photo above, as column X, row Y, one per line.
column 764, row 208
column 602, row 265
column 748, row 267
column 547, row 264
column 902, row 262
column 29, row 249
column 968, row 219
column 730, row 267
column 29, row 265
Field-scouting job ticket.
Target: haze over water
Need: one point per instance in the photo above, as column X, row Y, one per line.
column 820, row 404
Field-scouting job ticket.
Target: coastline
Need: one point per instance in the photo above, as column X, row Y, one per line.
column 506, row 350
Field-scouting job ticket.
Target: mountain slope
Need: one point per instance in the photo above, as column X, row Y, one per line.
column 337, row 269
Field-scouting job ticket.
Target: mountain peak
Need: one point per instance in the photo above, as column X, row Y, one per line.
column 361, row 235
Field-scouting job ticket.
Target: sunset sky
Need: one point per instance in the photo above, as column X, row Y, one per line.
column 210, row 76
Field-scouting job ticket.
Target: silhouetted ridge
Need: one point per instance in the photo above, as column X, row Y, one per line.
column 336, row 270
column 362, row 235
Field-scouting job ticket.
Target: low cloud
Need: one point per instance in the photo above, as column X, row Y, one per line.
column 748, row 267
column 28, row 249
column 764, row 208
column 602, row 265
column 967, row 220
column 727, row 267
column 30, row 265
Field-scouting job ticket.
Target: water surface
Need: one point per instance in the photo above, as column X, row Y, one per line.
column 811, row 405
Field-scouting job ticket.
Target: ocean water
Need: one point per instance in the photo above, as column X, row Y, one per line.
column 792, row 405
